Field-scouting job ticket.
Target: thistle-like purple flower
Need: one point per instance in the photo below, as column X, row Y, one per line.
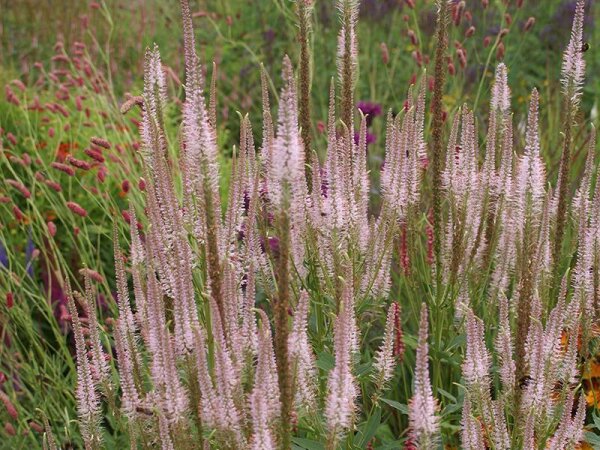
column 370, row 110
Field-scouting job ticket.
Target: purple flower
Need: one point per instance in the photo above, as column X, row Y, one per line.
column 371, row 138
column 379, row 9
column 369, row 109
column 556, row 32
column 3, row 255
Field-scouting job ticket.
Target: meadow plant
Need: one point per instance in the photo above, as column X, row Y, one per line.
column 293, row 315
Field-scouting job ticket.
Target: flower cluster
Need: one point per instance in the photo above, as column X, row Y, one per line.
column 223, row 345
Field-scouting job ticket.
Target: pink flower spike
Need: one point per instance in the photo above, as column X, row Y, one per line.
column 424, row 423
column 100, row 142
column 77, row 209
column 53, row 185
column 8, row 404
column 573, row 66
column 63, row 168
column 10, row 300
column 385, row 362
column 51, row 228
column 94, row 154
column 19, row 187
column 92, row 274
column 83, row 165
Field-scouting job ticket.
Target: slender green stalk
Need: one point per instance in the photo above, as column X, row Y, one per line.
column 304, row 85
column 438, row 156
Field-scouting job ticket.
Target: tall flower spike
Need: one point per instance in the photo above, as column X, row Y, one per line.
column 123, row 302
column 288, row 157
column 264, row 399
column 88, row 403
column 208, row 406
column 581, row 201
column 200, row 160
column 301, row 354
column 504, row 347
column 424, row 423
column 573, row 72
column 347, row 58
column 289, row 190
column 130, row 398
column 266, row 151
column 499, row 114
column 99, row 365
column 48, row 440
column 570, row 428
column 171, row 397
column 471, row 434
column 304, row 16
column 573, row 66
column 138, row 260
column 154, row 100
column 385, row 361
column 532, row 175
column 341, row 386
column 437, row 154
column 477, row 359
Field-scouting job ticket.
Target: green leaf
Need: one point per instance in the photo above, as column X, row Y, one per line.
column 307, row 444
column 325, row 361
column 395, row 445
column 447, row 394
column 399, row 406
column 369, row 428
column 97, row 229
column 363, row 369
column 593, row 439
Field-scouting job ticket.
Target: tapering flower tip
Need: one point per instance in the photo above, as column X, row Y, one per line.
column 188, row 37
column 48, row 439
column 477, row 360
column 154, row 77
column 138, row 255
column 154, row 98
column 130, row 397
column 532, row 143
column 504, row 346
column 471, row 433
column 99, row 366
column 264, row 399
column 531, row 178
column 385, row 360
column 288, row 152
column 422, row 409
column 267, row 370
column 501, row 91
column 573, row 66
column 341, row 386
column 301, row 351
column 348, row 12
column 88, row 405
